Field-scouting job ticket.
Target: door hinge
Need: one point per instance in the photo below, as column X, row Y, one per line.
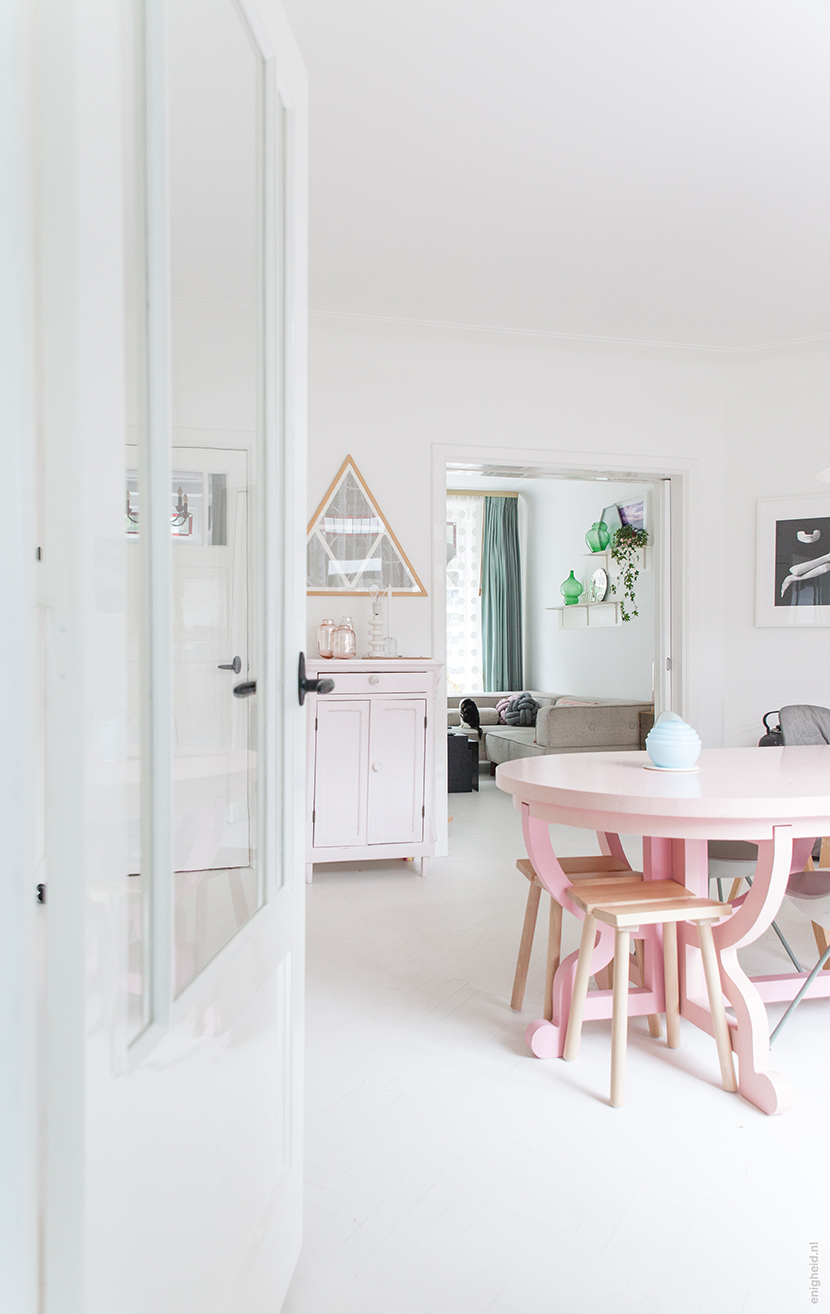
column 315, row 723
column 313, row 815
column 41, row 893
column 425, row 723
column 668, row 663
column 423, row 810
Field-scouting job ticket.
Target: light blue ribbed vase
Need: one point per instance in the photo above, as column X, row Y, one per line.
column 672, row 744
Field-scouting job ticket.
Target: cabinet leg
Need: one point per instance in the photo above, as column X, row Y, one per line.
column 309, row 873
column 424, row 866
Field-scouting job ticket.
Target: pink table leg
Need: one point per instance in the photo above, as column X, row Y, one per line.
column 547, row 1039
column 768, row 1090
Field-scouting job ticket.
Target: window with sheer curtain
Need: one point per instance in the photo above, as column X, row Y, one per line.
column 464, row 652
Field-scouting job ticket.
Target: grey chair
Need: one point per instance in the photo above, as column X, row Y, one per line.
column 801, row 724
column 809, row 890
column 735, row 860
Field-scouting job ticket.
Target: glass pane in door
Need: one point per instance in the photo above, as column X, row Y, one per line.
column 215, row 194
column 135, row 275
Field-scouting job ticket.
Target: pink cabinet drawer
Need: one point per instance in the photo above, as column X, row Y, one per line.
column 376, row 682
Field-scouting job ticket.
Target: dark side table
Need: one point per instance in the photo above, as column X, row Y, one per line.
column 462, row 764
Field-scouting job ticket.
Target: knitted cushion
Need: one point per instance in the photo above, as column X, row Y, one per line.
column 501, row 707
column 522, row 710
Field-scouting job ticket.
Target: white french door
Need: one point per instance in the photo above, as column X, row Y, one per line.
column 213, row 767
column 172, row 178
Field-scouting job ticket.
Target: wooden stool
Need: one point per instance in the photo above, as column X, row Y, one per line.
column 626, row 908
column 594, row 869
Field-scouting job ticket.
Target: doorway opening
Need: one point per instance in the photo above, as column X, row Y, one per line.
column 584, row 652
column 564, row 592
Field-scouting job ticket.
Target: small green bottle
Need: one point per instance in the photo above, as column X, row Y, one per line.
column 571, row 590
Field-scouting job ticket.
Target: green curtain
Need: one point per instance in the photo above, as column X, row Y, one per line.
column 501, row 596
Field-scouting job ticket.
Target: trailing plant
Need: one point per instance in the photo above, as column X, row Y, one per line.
column 624, row 548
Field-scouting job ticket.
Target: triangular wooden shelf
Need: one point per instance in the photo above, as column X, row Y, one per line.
column 351, row 544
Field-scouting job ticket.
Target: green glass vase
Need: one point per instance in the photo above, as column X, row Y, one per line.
column 571, row 590
column 598, row 536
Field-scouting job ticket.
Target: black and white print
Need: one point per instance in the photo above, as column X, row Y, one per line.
column 802, row 562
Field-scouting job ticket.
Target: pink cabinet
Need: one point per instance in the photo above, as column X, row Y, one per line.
column 372, row 780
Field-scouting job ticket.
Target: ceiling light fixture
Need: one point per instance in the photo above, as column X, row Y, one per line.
column 823, row 475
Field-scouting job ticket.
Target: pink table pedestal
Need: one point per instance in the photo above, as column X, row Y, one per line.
column 778, row 798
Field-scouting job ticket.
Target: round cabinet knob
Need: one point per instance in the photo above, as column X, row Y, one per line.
column 374, row 679
column 377, row 766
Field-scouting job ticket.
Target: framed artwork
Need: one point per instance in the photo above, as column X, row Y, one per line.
column 634, row 512
column 611, row 516
column 793, row 562
column 350, row 545
column 626, row 513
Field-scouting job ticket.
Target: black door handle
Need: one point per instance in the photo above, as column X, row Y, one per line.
column 235, row 666
column 244, row 690
column 305, row 686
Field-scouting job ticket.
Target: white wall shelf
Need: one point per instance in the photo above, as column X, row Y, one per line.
column 643, row 559
column 588, row 615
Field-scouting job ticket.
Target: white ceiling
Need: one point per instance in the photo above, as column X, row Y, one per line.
column 654, row 170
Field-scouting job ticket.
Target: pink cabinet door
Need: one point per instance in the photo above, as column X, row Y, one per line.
column 340, row 771
column 396, row 771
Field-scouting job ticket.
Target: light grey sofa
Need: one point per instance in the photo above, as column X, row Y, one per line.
column 609, row 725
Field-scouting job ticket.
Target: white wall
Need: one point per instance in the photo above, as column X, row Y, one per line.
column 753, row 425
column 608, row 663
column 386, row 392
column 778, row 416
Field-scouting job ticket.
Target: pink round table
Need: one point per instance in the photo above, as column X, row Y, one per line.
column 778, row 798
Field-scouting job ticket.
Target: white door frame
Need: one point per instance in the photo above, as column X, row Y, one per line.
column 676, row 578
column 21, row 718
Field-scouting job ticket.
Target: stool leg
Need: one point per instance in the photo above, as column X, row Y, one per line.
column 822, row 942
column 525, row 946
column 671, row 984
column 619, row 1017
column 655, row 1026
column 720, row 1026
column 583, row 976
column 554, row 954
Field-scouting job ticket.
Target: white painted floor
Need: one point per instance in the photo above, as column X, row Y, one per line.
column 449, row 1172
